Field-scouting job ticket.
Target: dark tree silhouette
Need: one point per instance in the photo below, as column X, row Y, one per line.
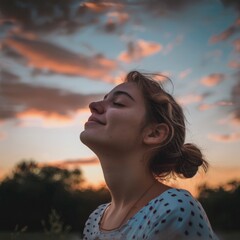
column 30, row 193
column 222, row 205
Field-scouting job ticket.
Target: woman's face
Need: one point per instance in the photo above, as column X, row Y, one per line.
column 116, row 122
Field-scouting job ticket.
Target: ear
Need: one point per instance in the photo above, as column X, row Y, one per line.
column 156, row 134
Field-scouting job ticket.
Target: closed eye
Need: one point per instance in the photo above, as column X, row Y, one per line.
column 118, row 104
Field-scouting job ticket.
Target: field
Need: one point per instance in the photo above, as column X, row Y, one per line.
column 77, row 236
column 39, row 236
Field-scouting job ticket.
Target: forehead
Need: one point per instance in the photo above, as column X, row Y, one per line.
column 130, row 88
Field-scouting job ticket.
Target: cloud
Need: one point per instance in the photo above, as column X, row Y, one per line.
column 138, row 50
column 185, row 73
column 62, row 16
column 233, row 118
column 230, row 119
column 33, row 117
column 232, row 137
column 234, row 64
column 114, row 22
column 236, row 44
column 49, row 57
column 72, row 162
column 19, row 99
column 189, row 99
column 224, row 35
column 120, row 17
column 205, row 106
column 212, row 79
column 102, row 6
column 227, row 33
column 235, row 97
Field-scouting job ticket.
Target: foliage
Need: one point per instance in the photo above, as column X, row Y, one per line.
column 17, row 232
column 30, row 193
column 52, row 199
column 222, row 205
column 55, row 226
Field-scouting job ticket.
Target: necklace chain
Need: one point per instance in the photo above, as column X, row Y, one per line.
column 128, row 212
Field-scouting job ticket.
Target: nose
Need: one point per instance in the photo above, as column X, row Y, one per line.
column 96, row 107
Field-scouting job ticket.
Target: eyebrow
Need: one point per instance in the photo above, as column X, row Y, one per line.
column 117, row 93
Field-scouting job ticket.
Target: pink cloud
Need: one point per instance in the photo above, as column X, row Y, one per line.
column 185, row 73
column 120, row 17
column 50, row 57
column 231, row 30
column 231, row 119
column 27, row 101
column 212, row 79
column 72, row 162
column 189, row 99
column 101, row 6
column 115, row 20
column 138, row 50
column 232, row 137
column 205, row 106
column 234, row 64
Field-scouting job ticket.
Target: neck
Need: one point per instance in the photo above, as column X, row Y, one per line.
column 127, row 177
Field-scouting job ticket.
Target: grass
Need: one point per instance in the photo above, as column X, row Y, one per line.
column 228, row 235
column 39, row 236
column 77, row 236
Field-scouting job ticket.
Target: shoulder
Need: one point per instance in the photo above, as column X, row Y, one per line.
column 180, row 200
column 97, row 213
column 177, row 212
column 177, row 200
column 91, row 225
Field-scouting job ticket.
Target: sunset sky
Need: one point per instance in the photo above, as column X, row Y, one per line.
column 58, row 56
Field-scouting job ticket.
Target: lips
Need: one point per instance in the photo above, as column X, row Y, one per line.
column 96, row 120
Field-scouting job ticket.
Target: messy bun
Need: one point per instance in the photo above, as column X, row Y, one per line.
column 172, row 157
column 190, row 160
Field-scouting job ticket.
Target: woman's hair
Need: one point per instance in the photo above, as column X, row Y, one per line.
column 173, row 156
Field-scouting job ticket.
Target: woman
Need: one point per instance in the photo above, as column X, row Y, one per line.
column 138, row 133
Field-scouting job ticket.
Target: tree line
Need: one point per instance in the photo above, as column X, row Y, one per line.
column 31, row 194
column 36, row 196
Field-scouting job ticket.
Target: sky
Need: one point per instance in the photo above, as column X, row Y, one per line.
column 58, row 56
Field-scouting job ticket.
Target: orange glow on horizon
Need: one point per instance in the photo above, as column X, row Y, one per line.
column 33, row 113
column 50, row 119
column 93, row 176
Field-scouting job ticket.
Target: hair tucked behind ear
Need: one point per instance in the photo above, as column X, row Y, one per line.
column 173, row 156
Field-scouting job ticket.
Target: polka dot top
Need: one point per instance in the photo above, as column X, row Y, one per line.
column 174, row 214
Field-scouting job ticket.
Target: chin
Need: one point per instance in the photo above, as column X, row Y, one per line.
column 83, row 137
column 88, row 139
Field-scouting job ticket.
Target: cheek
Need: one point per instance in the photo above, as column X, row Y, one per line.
column 128, row 124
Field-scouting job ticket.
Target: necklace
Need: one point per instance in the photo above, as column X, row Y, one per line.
column 130, row 209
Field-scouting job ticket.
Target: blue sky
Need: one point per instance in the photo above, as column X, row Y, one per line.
column 58, row 57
